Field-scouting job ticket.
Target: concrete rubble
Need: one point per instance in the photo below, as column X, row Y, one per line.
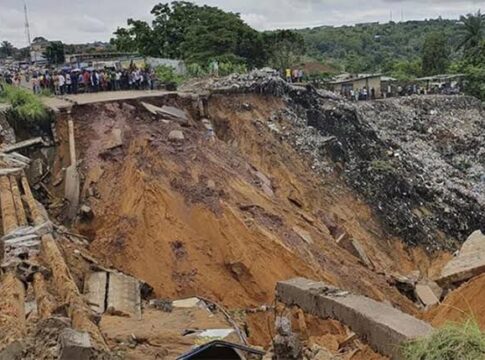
column 469, row 262
column 383, row 326
column 176, row 135
column 75, row 345
column 115, row 293
column 168, row 113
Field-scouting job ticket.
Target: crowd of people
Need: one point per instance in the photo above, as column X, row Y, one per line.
column 399, row 90
column 294, row 75
column 75, row 81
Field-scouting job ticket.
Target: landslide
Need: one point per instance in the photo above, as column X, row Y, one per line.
column 418, row 161
column 223, row 219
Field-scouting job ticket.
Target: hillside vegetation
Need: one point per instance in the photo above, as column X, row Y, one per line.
column 376, row 47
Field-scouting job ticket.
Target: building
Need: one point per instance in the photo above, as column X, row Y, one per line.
column 37, row 50
column 356, row 83
column 441, row 81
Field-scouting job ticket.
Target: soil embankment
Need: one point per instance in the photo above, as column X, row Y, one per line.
column 226, row 217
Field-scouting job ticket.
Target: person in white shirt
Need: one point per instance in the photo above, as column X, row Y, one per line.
column 68, row 83
column 62, row 83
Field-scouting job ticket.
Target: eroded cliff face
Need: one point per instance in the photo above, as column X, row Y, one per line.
column 223, row 216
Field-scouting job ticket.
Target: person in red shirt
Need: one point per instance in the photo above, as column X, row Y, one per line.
column 86, row 81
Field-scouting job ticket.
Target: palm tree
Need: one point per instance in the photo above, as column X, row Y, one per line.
column 6, row 48
column 473, row 31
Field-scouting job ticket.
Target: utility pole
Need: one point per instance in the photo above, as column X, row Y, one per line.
column 27, row 26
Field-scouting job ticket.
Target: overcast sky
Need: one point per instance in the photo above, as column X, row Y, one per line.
column 77, row 21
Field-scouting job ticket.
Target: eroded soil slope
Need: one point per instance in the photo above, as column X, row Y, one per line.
column 222, row 217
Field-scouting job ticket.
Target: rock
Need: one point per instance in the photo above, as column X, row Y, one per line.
column 13, row 351
column 115, row 140
column 267, row 190
column 207, row 124
column 305, row 235
column 470, row 261
column 35, row 171
column 126, row 106
column 426, row 295
column 211, row 184
column 161, row 304
column 75, row 345
column 86, row 212
column 176, row 135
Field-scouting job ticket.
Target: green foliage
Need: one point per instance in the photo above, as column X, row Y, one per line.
column 405, row 70
column 54, row 52
column 374, row 47
column 227, row 68
column 451, row 342
column 435, row 54
column 472, row 32
column 197, row 34
column 167, row 76
column 196, row 70
column 6, row 49
column 473, row 66
column 26, row 107
column 285, row 48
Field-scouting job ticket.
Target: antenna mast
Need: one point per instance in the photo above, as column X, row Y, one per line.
column 27, row 26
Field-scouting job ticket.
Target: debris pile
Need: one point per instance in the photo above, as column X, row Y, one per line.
column 417, row 160
column 264, row 81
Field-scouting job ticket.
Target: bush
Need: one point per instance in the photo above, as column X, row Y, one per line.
column 167, row 76
column 228, row 68
column 196, row 70
column 26, row 106
column 451, row 342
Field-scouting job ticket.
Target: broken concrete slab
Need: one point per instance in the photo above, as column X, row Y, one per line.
column 154, row 110
column 95, row 291
column 470, row 261
column 175, row 114
column 383, row 326
column 176, row 135
column 169, row 112
column 75, row 345
column 72, row 180
column 186, row 303
column 24, row 144
column 426, row 295
column 124, row 295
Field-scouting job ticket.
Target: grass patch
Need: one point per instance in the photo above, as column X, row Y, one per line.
column 26, row 107
column 463, row 341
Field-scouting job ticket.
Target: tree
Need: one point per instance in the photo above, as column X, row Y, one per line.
column 194, row 33
column 54, row 52
column 285, row 48
column 472, row 32
column 435, row 54
column 6, row 49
